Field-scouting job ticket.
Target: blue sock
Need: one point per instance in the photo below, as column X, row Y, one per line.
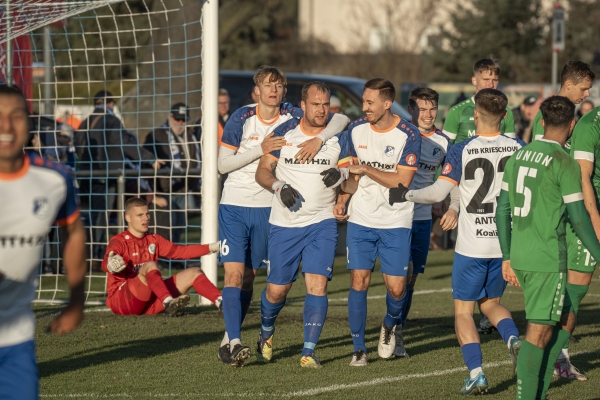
column 394, row 309
column 268, row 315
column 472, row 355
column 507, row 328
column 232, row 312
column 245, row 300
column 315, row 311
column 406, row 303
column 357, row 317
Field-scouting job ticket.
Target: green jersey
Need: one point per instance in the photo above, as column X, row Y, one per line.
column 460, row 124
column 540, row 178
column 537, row 131
column 585, row 144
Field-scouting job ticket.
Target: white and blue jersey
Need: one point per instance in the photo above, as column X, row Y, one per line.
column 307, row 231
column 41, row 194
column 375, row 228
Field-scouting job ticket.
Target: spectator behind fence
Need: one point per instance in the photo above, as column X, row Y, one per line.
column 174, row 142
column 224, row 101
column 103, row 145
column 585, row 107
column 523, row 115
column 335, row 105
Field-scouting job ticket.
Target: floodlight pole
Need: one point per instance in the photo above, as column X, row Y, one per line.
column 8, row 47
column 210, row 120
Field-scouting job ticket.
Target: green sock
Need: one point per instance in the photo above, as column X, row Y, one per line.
column 559, row 339
column 528, row 371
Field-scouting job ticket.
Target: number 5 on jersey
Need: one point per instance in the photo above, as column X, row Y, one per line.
column 524, row 190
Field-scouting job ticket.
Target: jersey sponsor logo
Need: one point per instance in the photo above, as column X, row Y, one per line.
column 485, row 233
column 447, row 169
column 389, row 151
column 378, row 165
column 362, row 146
column 437, row 152
column 152, row 248
column 427, row 167
column 411, row 159
column 41, row 207
column 323, row 148
column 317, row 161
column 21, row 241
column 254, row 137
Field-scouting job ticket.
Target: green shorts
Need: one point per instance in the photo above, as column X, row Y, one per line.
column 578, row 257
column 544, row 294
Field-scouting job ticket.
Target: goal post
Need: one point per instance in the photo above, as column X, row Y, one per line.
column 149, row 55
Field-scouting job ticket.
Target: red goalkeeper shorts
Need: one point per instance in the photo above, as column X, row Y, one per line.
column 135, row 298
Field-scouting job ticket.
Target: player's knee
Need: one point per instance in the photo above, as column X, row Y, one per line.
column 248, row 281
column 276, row 293
column 233, row 279
column 397, row 293
column 147, row 267
column 359, row 282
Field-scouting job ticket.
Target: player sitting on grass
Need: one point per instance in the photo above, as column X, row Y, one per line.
column 303, row 228
column 477, row 165
column 541, row 188
column 135, row 285
column 423, row 106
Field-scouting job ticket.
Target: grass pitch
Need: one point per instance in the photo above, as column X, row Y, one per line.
column 153, row 357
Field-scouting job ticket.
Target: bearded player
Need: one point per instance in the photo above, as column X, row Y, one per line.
column 135, row 285
column 35, row 194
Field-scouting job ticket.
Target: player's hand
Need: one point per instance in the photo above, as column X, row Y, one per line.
column 508, row 274
column 214, row 247
column 333, row 176
column 398, row 195
column 308, row 150
column 115, row 263
column 449, row 220
column 160, row 201
column 158, row 163
column 67, row 321
column 285, row 193
column 272, row 143
column 339, row 212
column 439, row 209
column 357, row 169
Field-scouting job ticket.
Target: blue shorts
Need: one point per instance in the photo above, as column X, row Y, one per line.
column 243, row 232
column 314, row 245
column 363, row 245
column 18, row 372
column 476, row 278
column 419, row 246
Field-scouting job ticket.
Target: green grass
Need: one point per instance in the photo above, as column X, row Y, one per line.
column 151, row 356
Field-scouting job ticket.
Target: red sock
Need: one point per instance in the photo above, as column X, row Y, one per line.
column 157, row 285
column 205, row 288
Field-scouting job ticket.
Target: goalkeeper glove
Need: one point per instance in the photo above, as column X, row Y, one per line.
column 286, row 194
column 333, row 176
column 398, row 195
column 115, row 263
column 214, row 247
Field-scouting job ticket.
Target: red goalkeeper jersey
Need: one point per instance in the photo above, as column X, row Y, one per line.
column 136, row 252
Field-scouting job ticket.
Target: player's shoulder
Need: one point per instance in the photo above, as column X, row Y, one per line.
column 37, row 161
column 407, row 127
column 287, row 126
column 590, row 119
column 461, row 106
column 357, row 122
column 286, row 108
column 242, row 114
column 512, row 140
column 441, row 138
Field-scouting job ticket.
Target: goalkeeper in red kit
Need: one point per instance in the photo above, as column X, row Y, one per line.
column 135, row 285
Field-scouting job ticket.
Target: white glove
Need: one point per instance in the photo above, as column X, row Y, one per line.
column 115, row 263
column 214, row 247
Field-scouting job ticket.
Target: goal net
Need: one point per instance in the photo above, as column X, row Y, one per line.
column 140, row 60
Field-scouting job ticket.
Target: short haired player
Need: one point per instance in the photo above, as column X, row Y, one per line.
column 35, row 195
column 303, row 228
column 477, row 164
column 386, row 149
column 541, row 189
column 245, row 205
column 423, row 106
column 135, row 285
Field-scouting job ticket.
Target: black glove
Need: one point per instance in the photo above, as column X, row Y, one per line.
column 398, row 195
column 286, row 194
column 331, row 176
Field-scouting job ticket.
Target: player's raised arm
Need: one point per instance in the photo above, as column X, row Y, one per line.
column 168, row 249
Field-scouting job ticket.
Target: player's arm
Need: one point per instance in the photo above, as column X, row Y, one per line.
column 341, row 205
column 449, row 220
column 115, row 256
column 503, row 224
column 451, row 124
column 265, row 177
column 509, row 124
column 589, row 196
column 581, row 223
column 309, row 149
column 168, row 249
column 389, row 180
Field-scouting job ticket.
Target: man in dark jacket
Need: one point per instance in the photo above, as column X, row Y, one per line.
column 173, row 141
column 103, row 145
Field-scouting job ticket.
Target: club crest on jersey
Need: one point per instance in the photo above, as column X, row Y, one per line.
column 437, row 152
column 41, row 207
column 411, row 159
column 389, row 151
column 447, row 169
column 152, row 248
